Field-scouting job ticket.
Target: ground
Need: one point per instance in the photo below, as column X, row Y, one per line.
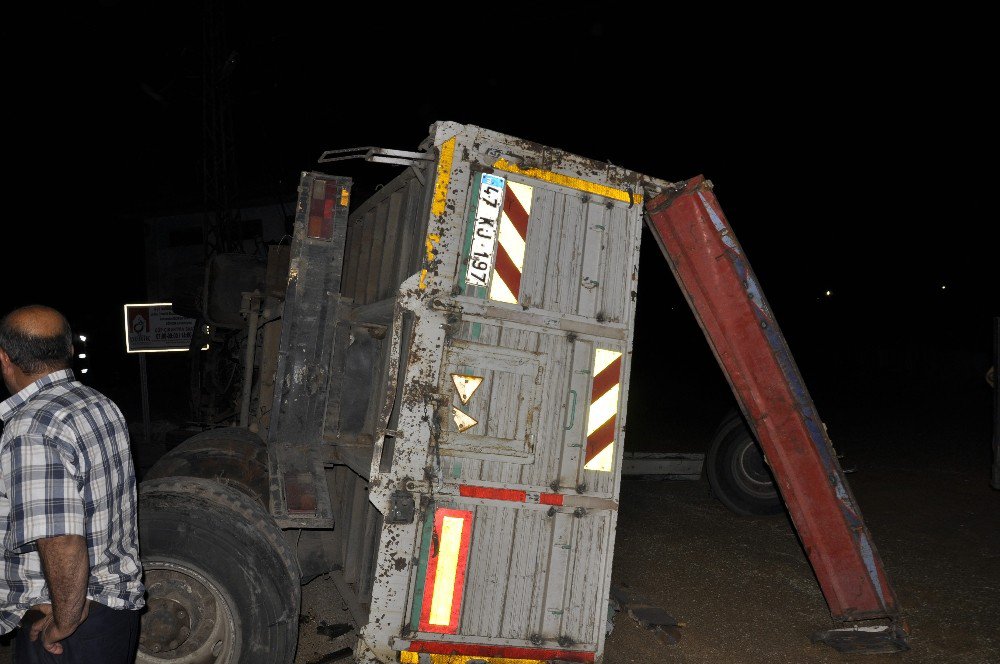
column 743, row 587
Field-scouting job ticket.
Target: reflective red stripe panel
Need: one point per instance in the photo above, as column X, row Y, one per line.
column 513, row 495
column 468, row 491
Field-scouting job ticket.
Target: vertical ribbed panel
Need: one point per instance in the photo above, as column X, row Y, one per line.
column 578, row 258
column 534, row 574
column 499, row 403
column 385, row 240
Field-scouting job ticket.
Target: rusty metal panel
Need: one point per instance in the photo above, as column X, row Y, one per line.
column 299, row 495
column 726, row 298
column 511, row 387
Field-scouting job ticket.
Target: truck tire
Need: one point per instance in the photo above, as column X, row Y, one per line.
column 232, row 456
column 221, row 580
column 738, row 473
column 209, row 436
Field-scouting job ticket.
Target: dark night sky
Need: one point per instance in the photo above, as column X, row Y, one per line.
column 850, row 152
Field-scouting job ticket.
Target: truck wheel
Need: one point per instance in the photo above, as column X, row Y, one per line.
column 210, row 438
column 221, row 585
column 737, row 472
column 232, row 456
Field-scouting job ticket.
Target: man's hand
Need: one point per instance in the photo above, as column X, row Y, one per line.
column 66, row 567
column 50, row 632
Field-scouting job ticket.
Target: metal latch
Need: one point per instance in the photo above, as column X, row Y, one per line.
column 402, row 508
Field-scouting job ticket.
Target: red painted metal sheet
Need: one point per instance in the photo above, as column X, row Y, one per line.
column 723, row 292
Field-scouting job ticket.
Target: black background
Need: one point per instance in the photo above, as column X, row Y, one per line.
column 851, row 151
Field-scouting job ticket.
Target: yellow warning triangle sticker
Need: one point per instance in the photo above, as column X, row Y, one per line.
column 466, row 385
column 464, row 421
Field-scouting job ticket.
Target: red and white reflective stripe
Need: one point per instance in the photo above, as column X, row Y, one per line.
column 505, row 286
column 602, row 416
column 514, row 495
column 446, row 566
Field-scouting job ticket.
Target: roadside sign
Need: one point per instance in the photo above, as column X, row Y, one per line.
column 155, row 328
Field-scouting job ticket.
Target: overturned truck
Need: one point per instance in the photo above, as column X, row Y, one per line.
column 433, row 400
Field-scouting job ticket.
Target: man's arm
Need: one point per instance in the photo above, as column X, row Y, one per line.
column 67, row 570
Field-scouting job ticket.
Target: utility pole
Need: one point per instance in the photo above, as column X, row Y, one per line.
column 221, row 226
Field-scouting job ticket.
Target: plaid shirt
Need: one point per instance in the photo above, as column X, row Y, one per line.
column 66, row 469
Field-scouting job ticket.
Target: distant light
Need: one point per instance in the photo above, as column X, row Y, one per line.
column 83, row 356
column 829, row 293
column 84, row 370
column 83, row 337
column 943, row 287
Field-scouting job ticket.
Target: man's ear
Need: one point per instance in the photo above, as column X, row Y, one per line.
column 4, row 357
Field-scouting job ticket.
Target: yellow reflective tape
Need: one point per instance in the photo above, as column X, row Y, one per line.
column 443, row 177
column 345, row 198
column 603, row 409
column 432, row 239
column 499, row 291
column 604, row 459
column 603, row 359
column 447, row 570
column 407, row 657
column 571, row 182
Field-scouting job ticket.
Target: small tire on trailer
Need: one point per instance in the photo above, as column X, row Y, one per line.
column 220, row 577
column 738, row 473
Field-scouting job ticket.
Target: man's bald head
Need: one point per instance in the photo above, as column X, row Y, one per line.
column 37, row 339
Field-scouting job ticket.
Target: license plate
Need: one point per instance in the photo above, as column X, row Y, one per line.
column 484, row 231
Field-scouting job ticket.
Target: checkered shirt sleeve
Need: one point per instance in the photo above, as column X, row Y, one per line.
column 44, row 489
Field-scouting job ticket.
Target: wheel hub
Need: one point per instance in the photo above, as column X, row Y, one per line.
column 185, row 622
column 166, row 625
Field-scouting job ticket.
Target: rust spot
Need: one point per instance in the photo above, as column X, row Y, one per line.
column 400, row 564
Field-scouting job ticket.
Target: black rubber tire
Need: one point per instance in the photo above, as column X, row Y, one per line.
column 198, row 533
column 205, row 438
column 232, row 456
column 738, row 472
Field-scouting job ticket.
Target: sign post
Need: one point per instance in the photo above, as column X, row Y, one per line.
column 154, row 328
column 996, row 403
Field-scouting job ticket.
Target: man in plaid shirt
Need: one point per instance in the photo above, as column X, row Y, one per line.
column 71, row 576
